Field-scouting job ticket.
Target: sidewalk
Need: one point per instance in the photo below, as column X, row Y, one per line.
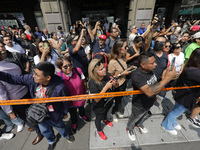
column 87, row 138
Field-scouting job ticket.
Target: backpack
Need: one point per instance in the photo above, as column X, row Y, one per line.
column 37, row 113
column 16, row 58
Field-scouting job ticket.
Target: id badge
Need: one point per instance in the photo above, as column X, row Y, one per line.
column 50, row 108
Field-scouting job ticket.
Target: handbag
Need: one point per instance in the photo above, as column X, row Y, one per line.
column 127, row 76
column 37, row 113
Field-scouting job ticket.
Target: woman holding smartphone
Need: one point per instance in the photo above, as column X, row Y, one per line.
column 44, row 53
column 118, row 67
column 100, row 82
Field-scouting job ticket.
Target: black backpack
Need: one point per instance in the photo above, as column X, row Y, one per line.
column 37, row 113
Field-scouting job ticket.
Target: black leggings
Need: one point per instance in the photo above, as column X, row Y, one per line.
column 73, row 113
column 98, row 121
column 118, row 100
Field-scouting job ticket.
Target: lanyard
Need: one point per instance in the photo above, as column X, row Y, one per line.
column 43, row 91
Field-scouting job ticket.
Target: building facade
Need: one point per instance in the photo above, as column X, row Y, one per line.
column 52, row 13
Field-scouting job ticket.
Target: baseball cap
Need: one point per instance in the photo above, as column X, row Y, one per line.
column 196, row 35
column 72, row 38
column 195, row 28
column 59, row 28
column 102, row 37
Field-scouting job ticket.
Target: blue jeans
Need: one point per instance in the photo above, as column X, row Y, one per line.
column 47, row 130
column 170, row 120
column 8, row 121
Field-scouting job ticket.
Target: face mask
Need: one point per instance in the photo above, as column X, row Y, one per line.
column 158, row 46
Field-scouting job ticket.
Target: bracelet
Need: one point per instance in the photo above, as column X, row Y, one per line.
column 120, row 75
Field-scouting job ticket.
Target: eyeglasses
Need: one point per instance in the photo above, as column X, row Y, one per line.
column 177, row 47
column 67, row 66
column 36, row 75
column 168, row 46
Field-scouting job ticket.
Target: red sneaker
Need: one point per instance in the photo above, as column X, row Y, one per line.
column 102, row 135
column 110, row 124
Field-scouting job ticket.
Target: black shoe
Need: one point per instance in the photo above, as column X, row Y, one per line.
column 70, row 139
column 74, row 128
column 51, row 146
column 194, row 122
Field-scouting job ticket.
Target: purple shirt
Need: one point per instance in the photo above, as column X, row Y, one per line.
column 10, row 91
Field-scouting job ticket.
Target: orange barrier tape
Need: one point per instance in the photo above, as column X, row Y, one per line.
column 81, row 97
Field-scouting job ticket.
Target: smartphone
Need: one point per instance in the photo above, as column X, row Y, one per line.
column 45, row 45
column 132, row 69
column 160, row 15
column 173, row 63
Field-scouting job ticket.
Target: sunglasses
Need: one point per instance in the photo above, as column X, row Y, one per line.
column 98, row 64
column 161, row 42
column 67, row 66
column 168, row 46
column 177, row 47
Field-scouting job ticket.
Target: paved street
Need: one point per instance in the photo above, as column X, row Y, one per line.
column 87, row 138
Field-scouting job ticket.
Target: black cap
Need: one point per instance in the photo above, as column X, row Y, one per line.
column 59, row 28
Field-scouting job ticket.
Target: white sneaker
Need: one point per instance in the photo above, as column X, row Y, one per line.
column 131, row 135
column 115, row 119
column 120, row 115
column 142, row 129
column 6, row 136
column 178, row 127
column 173, row 132
column 9, row 128
column 20, row 127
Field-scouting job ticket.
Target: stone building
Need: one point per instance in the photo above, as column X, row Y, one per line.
column 52, row 13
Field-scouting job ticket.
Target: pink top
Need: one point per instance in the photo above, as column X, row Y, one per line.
column 74, row 83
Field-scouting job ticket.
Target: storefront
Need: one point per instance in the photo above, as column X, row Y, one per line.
column 20, row 13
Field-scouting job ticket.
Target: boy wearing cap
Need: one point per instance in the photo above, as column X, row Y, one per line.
column 77, row 53
column 193, row 46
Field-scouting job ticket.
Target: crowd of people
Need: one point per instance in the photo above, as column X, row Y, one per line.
column 97, row 60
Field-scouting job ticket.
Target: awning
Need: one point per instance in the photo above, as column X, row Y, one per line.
column 196, row 11
column 185, row 12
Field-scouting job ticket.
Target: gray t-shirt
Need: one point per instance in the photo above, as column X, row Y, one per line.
column 110, row 42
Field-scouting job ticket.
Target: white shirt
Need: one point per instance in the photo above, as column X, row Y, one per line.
column 87, row 49
column 131, row 38
column 178, row 61
column 16, row 48
column 51, row 60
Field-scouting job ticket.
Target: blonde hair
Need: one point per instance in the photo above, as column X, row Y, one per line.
column 92, row 70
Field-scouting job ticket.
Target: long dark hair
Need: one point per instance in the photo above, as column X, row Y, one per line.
column 194, row 60
column 40, row 53
column 116, row 47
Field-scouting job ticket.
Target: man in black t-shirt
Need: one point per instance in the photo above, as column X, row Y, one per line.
column 144, row 79
column 160, row 56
